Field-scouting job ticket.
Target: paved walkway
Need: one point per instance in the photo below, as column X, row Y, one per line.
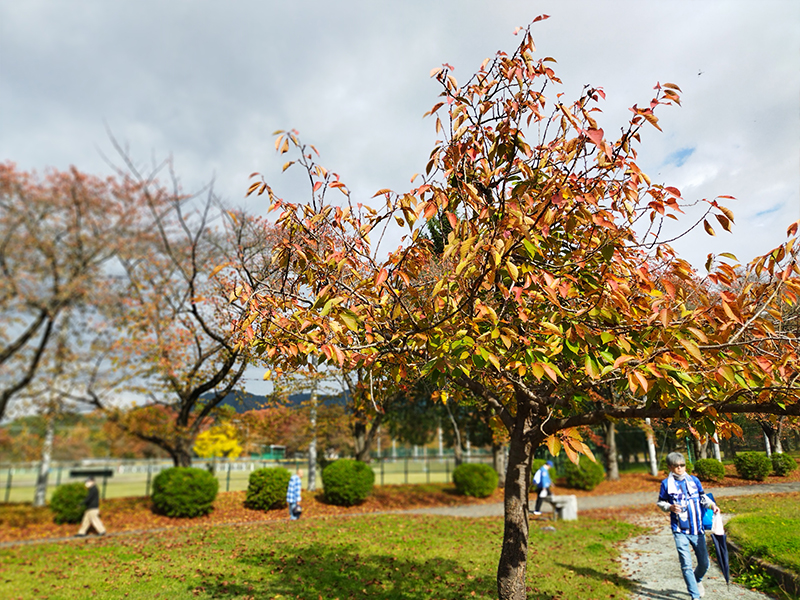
column 608, row 501
column 650, row 561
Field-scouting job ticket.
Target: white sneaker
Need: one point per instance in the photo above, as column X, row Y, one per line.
column 537, row 513
column 701, row 589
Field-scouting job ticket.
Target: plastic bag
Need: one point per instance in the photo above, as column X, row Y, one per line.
column 717, row 527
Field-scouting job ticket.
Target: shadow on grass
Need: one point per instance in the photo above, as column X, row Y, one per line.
column 617, row 580
column 341, row 571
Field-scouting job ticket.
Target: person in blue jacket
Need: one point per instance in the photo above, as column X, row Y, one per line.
column 683, row 497
column 541, row 480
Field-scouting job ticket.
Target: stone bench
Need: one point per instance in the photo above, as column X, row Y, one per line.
column 565, row 508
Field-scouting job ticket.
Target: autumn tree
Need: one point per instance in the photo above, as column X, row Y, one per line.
column 175, row 311
column 59, row 233
column 553, row 287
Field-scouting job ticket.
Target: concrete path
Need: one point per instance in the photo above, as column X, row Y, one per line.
column 650, row 561
column 608, row 501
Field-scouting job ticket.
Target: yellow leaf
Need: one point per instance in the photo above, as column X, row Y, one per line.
column 553, row 445
column 708, row 228
column 692, row 349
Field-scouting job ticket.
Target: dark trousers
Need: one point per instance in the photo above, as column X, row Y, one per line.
column 540, row 498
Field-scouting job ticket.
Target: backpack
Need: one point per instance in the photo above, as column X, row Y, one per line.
column 708, row 514
column 537, row 477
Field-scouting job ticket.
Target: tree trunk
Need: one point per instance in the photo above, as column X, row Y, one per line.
column 651, row 448
column 312, row 445
column 499, row 464
column 40, row 495
column 511, row 571
column 767, row 445
column 777, row 445
column 611, row 451
column 717, row 453
column 458, row 456
column 364, row 437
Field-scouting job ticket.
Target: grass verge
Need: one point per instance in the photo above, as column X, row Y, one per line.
column 380, row 556
column 767, row 526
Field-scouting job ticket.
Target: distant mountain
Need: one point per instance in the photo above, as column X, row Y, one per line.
column 243, row 401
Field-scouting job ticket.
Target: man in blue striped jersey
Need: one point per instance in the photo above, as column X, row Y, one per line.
column 682, row 496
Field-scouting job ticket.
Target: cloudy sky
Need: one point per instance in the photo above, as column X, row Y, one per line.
column 209, row 81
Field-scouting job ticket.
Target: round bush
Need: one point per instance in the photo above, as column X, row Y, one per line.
column 347, row 482
column 752, row 465
column 266, row 488
column 475, row 479
column 783, row 464
column 584, row 476
column 662, row 465
column 184, row 492
column 709, row 469
column 67, row 503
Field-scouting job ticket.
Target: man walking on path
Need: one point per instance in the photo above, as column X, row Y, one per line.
column 682, row 496
column 542, row 481
column 91, row 516
column 293, row 497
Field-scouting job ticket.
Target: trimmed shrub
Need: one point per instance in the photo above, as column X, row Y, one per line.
column 584, row 476
column 709, row 469
column 184, row 492
column 752, row 465
column 67, row 503
column 783, row 464
column 662, row 466
column 347, row 482
column 266, row 488
column 475, row 479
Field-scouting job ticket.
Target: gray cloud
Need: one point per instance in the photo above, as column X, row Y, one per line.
column 208, row 82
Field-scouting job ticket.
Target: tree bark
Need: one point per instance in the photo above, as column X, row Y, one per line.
column 512, row 569
column 777, row 445
column 364, row 438
column 40, row 495
column 458, row 456
column 651, row 448
column 717, row 453
column 611, row 451
column 499, row 464
column 312, row 445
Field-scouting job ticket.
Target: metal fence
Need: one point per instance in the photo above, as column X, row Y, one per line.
column 133, row 478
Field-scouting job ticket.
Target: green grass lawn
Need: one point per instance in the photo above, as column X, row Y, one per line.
column 388, row 556
column 767, row 526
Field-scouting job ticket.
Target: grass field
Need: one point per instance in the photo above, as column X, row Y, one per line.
column 768, row 527
column 392, row 557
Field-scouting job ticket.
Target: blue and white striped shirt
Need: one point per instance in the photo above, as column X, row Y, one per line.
column 691, row 497
column 293, row 491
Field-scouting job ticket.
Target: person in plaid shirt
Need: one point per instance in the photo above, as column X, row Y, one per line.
column 293, row 497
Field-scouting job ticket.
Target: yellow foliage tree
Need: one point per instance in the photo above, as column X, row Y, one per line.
column 219, row 441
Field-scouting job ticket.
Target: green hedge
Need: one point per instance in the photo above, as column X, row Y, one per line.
column 67, row 503
column 184, row 492
column 709, row 469
column 783, row 464
column 752, row 465
column 584, row 476
column 347, row 482
column 266, row 488
column 475, row 479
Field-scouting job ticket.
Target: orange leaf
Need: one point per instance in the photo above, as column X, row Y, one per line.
column 382, row 276
column 708, row 228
